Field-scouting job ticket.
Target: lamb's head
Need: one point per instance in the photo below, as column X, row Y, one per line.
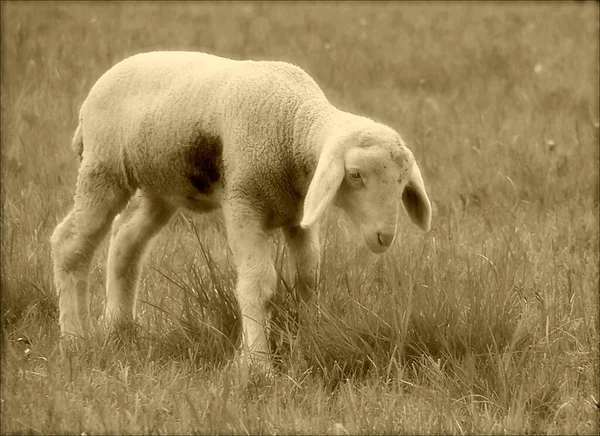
column 366, row 171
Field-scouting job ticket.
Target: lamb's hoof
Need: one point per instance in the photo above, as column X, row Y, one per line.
column 70, row 343
column 125, row 333
column 72, row 329
column 253, row 368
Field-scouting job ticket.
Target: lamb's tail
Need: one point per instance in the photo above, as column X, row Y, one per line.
column 77, row 143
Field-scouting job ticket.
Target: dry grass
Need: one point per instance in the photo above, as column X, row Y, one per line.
column 488, row 324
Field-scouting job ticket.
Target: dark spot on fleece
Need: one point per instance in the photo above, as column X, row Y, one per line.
column 206, row 159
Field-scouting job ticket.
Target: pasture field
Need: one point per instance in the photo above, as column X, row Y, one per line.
column 487, row 324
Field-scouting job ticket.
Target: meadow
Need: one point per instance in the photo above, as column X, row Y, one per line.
column 488, row 324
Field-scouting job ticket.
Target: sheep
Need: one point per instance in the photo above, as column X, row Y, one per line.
column 161, row 131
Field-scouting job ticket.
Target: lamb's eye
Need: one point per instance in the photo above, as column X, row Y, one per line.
column 355, row 174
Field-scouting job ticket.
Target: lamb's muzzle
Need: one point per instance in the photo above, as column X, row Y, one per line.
column 386, row 238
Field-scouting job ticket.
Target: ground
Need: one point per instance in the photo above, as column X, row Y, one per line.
column 486, row 324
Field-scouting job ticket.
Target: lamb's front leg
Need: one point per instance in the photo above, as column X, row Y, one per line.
column 256, row 279
column 303, row 259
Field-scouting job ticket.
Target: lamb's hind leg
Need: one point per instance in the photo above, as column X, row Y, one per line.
column 99, row 197
column 303, row 259
column 133, row 229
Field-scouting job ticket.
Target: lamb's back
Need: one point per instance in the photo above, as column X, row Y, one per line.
column 186, row 122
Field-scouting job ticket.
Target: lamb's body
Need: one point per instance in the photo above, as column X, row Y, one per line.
column 198, row 131
column 157, row 138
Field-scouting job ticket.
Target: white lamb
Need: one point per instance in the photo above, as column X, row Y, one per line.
column 258, row 139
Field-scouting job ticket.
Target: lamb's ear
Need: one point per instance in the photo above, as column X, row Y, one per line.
column 415, row 200
column 324, row 185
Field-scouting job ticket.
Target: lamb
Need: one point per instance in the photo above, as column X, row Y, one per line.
column 164, row 130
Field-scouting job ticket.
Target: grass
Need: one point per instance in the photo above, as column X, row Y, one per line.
column 487, row 324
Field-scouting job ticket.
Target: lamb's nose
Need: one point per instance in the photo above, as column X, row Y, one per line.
column 385, row 239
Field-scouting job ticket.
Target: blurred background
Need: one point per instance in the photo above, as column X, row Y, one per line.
column 450, row 77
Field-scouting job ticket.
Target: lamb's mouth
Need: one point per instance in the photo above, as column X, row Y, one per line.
column 374, row 242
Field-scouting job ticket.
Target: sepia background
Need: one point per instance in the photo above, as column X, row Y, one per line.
column 487, row 324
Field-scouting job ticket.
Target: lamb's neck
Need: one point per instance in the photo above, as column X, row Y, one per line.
column 325, row 122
